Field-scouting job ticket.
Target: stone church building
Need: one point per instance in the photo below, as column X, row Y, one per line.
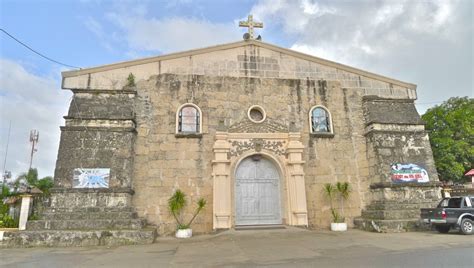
column 253, row 128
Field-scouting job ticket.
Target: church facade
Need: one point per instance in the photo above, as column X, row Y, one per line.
column 253, row 128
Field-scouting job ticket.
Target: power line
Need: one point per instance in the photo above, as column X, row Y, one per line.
column 25, row 45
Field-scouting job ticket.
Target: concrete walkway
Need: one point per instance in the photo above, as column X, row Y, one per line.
column 292, row 247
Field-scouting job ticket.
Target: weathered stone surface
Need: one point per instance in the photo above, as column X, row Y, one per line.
column 87, row 224
column 84, row 147
column 91, row 198
column 77, row 238
column 247, row 126
column 134, row 134
column 242, row 59
column 395, row 134
column 389, row 226
column 93, row 105
column 390, row 111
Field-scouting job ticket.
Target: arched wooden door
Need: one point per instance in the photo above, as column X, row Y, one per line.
column 257, row 192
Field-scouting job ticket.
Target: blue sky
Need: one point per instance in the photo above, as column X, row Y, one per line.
column 429, row 43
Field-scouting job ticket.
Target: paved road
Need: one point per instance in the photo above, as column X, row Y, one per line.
column 292, row 247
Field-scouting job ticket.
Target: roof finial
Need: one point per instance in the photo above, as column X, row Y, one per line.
column 250, row 24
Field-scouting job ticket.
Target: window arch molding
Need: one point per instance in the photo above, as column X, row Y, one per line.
column 328, row 121
column 198, row 119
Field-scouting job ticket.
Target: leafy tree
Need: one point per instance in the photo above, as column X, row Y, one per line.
column 45, row 184
column 4, row 193
column 31, row 179
column 451, row 127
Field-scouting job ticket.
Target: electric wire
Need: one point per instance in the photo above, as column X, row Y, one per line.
column 38, row 53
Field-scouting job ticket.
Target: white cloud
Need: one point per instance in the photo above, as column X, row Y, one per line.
column 172, row 34
column 294, row 16
column 30, row 102
column 428, row 43
column 96, row 28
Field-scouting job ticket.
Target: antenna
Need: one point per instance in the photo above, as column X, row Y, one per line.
column 34, row 137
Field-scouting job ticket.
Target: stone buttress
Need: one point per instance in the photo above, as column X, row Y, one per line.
column 99, row 133
column 395, row 133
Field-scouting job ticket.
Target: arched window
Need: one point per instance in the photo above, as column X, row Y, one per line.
column 188, row 119
column 320, row 120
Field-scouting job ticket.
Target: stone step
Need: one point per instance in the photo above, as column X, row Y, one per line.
column 75, row 238
column 88, row 215
column 119, row 224
column 399, row 205
column 87, row 209
column 388, row 226
column 259, row 227
column 390, row 214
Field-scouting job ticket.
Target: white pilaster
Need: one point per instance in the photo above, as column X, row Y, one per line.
column 221, row 181
column 296, row 185
column 24, row 211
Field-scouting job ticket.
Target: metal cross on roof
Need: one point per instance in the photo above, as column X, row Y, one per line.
column 250, row 24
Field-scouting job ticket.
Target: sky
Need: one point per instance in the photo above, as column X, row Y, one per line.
column 428, row 43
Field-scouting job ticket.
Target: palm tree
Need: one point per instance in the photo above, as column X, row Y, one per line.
column 330, row 192
column 176, row 204
column 344, row 190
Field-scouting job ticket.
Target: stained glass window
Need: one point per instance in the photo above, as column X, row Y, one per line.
column 320, row 120
column 188, row 120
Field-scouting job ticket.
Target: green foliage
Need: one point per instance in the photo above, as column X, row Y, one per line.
column 31, row 178
column 451, row 127
column 336, row 218
column 4, row 193
column 131, row 80
column 3, row 208
column 330, row 191
column 45, row 184
column 176, row 204
column 5, row 220
column 341, row 190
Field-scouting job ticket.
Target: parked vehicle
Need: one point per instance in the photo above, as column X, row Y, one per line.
column 453, row 212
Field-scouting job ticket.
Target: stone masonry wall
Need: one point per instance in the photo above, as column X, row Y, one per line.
column 91, row 140
column 395, row 134
column 164, row 161
column 224, row 82
column 246, row 60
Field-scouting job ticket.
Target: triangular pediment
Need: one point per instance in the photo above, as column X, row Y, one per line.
column 240, row 59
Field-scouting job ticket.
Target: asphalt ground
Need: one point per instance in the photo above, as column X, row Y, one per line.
column 291, row 247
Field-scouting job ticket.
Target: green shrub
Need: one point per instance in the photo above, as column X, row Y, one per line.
column 176, row 204
column 7, row 222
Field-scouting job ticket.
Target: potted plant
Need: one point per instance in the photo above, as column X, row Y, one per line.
column 176, row 204
column 332, row 191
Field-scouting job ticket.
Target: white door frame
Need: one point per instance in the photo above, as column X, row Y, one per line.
column 285, row 149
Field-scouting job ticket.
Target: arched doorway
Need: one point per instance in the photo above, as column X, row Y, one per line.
column 257, row 192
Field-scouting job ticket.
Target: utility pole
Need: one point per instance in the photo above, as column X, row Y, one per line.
column 6, row 174
column 34, row 137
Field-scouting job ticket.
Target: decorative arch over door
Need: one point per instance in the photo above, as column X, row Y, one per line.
column 285, row 151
